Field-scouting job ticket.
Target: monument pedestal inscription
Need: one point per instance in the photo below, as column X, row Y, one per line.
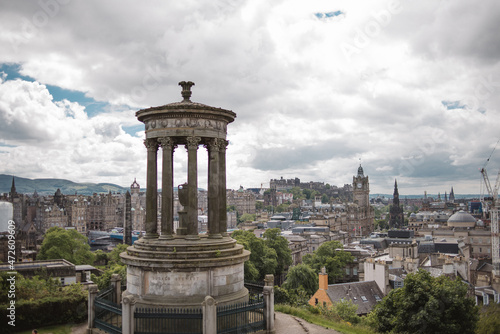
column 180, row 269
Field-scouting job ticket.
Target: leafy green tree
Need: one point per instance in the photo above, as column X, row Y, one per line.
column 259, row 205
column 308, row 193
column 381, row 224
column 489, row 320
column 269, row 208
column 282, row 207
column 427, row 305
column 101, row 258
column 70, row 245
column 114, row 255
column 346, row 310
column 325, row 199
column 246, row 217
column 332, row 256
column 303, row 276
column 297, row 193
column 104, row 281
column 262, row 257
column 274, row 240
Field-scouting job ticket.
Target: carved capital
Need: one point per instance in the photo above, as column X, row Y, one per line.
column 167, row 143
column 223, row 144
column 151, row 144
column 213, row 145
column 193, row 142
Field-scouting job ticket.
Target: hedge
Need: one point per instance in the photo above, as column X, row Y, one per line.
column 43, row 312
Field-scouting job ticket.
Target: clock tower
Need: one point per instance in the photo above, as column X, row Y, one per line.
column 361, row 188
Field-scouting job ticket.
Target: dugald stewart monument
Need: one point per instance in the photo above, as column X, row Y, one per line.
column 167, row 269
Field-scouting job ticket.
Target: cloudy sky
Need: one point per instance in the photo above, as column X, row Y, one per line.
column 409, row 88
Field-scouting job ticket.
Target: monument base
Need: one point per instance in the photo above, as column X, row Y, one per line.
column 181, row 272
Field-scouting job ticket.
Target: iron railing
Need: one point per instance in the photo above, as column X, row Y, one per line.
column 108, row 314
column 168, row 321
column 241, row 318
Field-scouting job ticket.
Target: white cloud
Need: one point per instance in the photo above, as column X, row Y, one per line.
column 298, row 98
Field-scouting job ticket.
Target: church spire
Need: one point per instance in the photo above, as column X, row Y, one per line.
column 13, row 192
column 395, row 199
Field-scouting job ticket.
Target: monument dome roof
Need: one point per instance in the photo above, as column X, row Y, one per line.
column 461, row 217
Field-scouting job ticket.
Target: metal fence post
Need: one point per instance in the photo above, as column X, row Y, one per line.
column 209, row 315
column 91, row 307
column 116, row 281
column 269, row 303
column 128, row 310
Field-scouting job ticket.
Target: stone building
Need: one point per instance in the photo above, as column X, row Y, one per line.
column 54, row 216
column 361, row 215
column 243, row 200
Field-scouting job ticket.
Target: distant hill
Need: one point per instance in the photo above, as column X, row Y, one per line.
column 50, row 186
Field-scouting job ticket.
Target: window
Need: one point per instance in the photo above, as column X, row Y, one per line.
column 377, row 298
column 316, row 301
column 354, row 271
column 363, row 298
column 324, row 304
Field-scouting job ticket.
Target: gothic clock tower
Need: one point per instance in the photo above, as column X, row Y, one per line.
column 361, row 188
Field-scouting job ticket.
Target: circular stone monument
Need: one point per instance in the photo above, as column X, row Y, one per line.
column 180, row 269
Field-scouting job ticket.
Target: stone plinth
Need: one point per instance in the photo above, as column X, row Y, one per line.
column 181, row 273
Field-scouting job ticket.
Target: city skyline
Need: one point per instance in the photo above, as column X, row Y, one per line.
column 409, row 90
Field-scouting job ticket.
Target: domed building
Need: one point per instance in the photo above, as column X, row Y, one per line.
column 461, row 219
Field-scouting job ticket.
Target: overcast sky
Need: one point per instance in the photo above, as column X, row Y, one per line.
column 409, row 87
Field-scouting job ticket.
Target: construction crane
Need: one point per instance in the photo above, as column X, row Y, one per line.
column 493, row 210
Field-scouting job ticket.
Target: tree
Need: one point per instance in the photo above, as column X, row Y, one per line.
column 246, row 217
column 489, row 321
column 70, row 245
column 262, row 257
column 274, row 240
column 101, row 258
column 427, row 305
column 303, row 276
column 297, row 193
column 331, row 256
column 325, row 199
column 114, row 255
column 282, row 207
column 259, row 205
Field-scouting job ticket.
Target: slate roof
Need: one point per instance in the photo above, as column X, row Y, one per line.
column 363, row 294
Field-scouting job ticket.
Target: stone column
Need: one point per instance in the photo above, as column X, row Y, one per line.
column 209, row 315
column 222, row 188
column 269, row 304
column 91, row 307
column 192, row 209
column 213, row 189
column 127, row 231
column 167, row 185
column 152, row 190
column 128, row 309
column 116, row 283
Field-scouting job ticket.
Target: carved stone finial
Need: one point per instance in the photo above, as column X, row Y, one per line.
column 186, row 90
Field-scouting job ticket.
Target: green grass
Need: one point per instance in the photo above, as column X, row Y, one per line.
column 320, row 320
column 56, row 329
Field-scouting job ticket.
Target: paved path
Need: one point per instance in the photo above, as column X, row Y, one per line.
column 288, row 324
